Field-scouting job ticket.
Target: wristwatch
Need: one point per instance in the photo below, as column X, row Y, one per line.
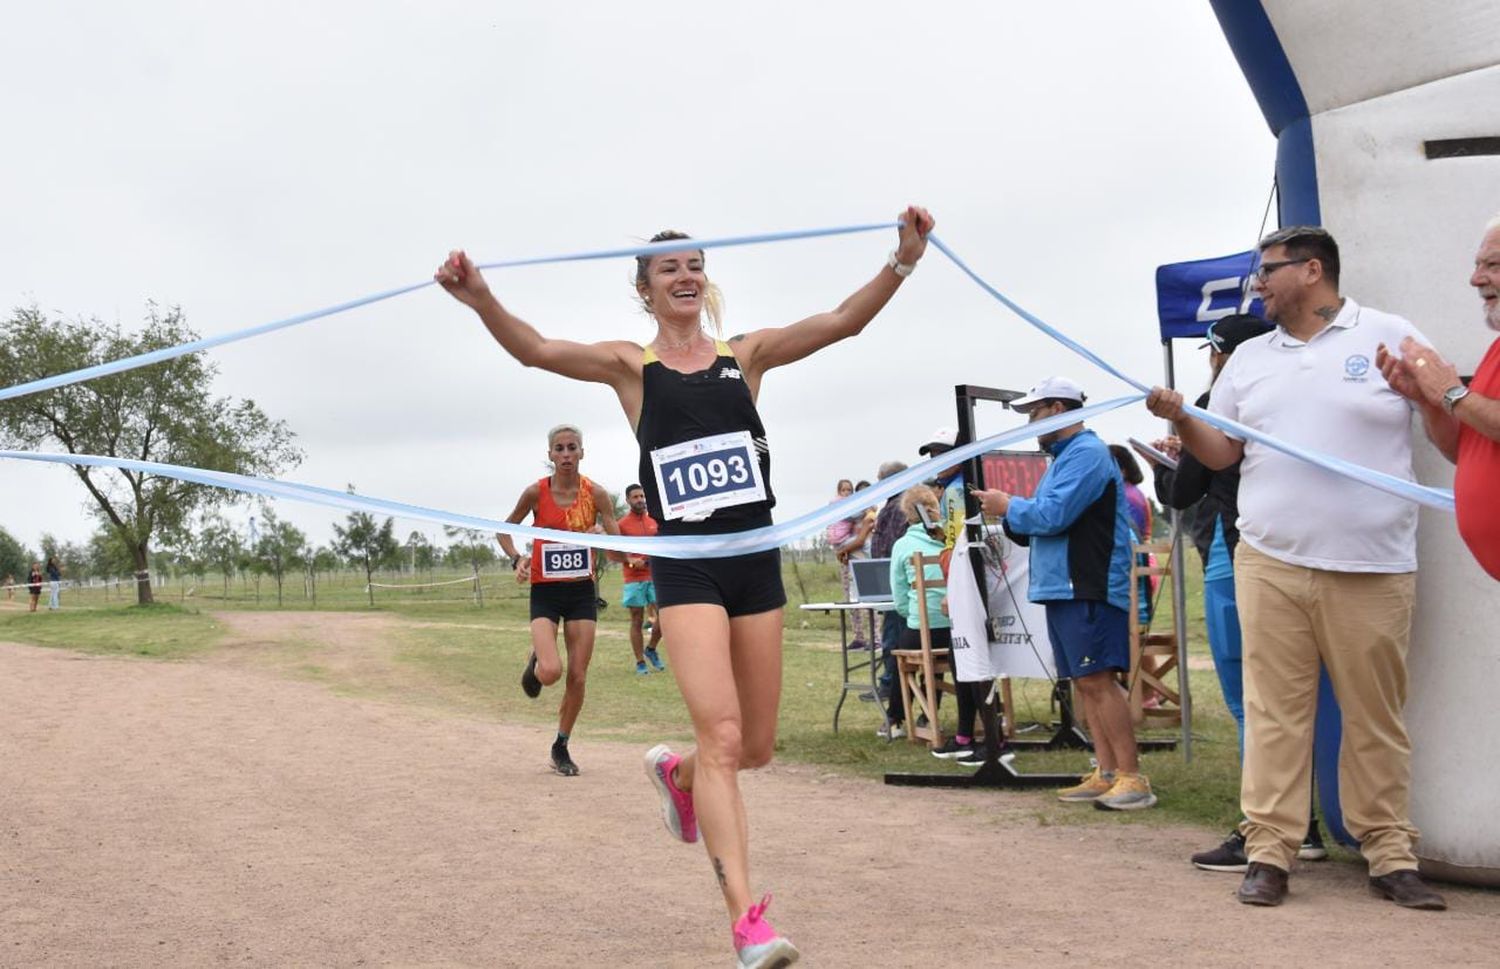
column 1453, row 395
column 902, row 269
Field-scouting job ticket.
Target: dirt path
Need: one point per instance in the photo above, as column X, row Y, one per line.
column 205, row 812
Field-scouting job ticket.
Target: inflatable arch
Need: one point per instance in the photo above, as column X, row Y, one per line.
column 1387, row 119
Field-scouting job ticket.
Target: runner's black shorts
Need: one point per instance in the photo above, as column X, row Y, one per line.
column 563, row 601
column 743, row 584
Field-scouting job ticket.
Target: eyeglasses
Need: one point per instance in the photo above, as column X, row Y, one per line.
column 1265, row 270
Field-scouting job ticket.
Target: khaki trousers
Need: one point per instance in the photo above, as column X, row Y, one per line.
column 1358, row 624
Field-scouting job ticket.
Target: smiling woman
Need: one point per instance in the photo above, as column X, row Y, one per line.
column 705, row 466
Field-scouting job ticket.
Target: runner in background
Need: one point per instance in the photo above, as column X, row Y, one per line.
column 640, row 591
column 562, row 579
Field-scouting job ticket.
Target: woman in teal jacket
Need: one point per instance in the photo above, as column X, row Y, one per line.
column 904, row 592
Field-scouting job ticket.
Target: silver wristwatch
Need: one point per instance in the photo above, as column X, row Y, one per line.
column 1453, row 395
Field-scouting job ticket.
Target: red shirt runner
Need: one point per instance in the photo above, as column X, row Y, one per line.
column 1478, row 477
column 577, row 517
column 633, row 524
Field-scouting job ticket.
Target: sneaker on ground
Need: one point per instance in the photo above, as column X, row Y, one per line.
column 1229, row 856
column 1131, row 792
column 951, row 749
column 640, row 669
column 756, row 944
column 562, row 762
column 676, row 804
column 891, row 731
column 1312, row 846
column 655, row 660
column 529, row 683
column 975, row 757
column 1089, row 788
column 857, row 645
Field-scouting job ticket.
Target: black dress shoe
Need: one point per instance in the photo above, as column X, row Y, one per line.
column 1263, row 885
column 1406, row 888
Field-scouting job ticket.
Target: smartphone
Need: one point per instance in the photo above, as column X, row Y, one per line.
column 927, row 522
column 1152, row 454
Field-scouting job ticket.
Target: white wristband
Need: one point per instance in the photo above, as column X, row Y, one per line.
column 902, row 269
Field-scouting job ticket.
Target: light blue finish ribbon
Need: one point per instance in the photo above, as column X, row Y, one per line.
column 1390, row 484
column 665, row 546
column 1401, row 488
column 208, row 343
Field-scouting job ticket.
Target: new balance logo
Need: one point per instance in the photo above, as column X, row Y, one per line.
column 729, row 373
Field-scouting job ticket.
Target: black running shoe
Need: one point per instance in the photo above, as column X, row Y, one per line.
column 561, row 762
column 529, row 683
column 1229, row 856
column 1312, row 846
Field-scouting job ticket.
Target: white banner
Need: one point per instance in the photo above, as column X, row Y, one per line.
column 1022, row 648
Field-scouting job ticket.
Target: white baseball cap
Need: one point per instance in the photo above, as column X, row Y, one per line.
column 1053, row 388
column 942, row 440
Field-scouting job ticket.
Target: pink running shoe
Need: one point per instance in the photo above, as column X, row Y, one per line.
column 757, row 945
column 676, row 804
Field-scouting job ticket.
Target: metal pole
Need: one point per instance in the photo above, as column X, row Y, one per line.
column 1179, row 599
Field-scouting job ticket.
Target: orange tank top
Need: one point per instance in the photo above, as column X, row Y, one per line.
column 557, row 561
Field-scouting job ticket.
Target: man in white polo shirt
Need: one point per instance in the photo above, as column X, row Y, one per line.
column 1326, row 570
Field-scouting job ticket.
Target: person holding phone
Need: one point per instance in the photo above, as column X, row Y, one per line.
column 1077, row 526
column 924, row 533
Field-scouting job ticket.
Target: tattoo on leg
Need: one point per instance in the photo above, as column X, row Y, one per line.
column 719, row 873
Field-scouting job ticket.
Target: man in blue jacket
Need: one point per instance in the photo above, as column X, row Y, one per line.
column 1078, row 528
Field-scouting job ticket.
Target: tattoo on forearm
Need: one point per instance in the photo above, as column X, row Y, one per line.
column 719, row 873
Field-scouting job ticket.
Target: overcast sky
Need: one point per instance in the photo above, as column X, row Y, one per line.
column 251, row 162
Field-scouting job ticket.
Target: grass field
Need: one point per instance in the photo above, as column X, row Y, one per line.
column 467, row 658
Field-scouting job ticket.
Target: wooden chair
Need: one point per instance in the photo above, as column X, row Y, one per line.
column 1153, row 655
column 917, row 669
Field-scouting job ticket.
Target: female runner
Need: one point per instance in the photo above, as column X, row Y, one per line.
column 705, row 465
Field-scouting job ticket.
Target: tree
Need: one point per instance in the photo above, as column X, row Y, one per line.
column 279, row 548
column 360, row 540
column 219, row 545
column 15, row 558
column 164, row 412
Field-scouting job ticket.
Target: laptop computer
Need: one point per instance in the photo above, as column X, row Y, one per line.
column 870, row 580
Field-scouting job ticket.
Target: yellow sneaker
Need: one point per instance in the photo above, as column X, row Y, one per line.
column 1090, row 788
column 1131, row 792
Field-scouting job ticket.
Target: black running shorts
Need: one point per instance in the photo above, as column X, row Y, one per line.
column 744, row 584
column 563, row 601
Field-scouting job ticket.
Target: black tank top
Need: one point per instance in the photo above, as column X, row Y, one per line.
column 679, row 407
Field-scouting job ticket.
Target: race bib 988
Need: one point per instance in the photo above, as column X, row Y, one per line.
column 560, row 561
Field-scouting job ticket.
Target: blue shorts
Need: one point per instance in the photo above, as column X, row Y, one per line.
column 1088, row 637
column 639, row 595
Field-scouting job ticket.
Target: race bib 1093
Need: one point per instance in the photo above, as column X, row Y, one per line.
column 697, row 477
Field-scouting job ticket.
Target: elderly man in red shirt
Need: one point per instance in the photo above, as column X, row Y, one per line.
column 1470, row 435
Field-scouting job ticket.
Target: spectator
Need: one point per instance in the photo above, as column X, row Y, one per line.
column 1078, row 527
column 34, row 585
column 1467, row 428
column 1325, row 571
column 890, row 524
column 840, row 535
column 10, row 586
column 949, row 487
column 1135, row 498
column 903, row 585
column 54, row 582
column 1213, row 498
